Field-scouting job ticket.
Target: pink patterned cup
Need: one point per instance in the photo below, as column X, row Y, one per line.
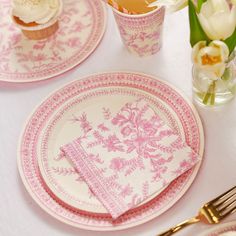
column 141, row 33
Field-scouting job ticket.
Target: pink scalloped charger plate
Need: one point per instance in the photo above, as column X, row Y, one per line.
column 81, row 27
column 55, row 186
column 221, row 229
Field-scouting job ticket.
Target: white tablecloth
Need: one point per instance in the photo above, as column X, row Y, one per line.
column 21, row 216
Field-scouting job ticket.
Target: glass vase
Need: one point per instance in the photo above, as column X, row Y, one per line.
column 214, row 92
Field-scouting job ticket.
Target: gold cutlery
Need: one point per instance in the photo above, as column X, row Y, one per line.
column 211, row 213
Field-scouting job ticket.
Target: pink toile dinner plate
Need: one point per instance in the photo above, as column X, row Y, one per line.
column 57, row 187
column 73, row 119
column 82, row 25
column 220, row 229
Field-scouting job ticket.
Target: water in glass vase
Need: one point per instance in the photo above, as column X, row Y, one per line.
column 136, row 6
column 209, row 92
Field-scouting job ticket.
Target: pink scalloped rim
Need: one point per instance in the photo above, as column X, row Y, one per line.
column 28, row 166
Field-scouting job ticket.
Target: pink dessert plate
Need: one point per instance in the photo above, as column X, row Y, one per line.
column 82, row 25
column 56, row 186
column 221, row 229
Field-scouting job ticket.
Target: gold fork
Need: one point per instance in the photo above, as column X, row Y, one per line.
column 211, row 213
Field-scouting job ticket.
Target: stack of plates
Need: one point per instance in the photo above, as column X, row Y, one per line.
column 53, row 182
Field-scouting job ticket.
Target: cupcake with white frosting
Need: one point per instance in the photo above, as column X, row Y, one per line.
column 38, row 19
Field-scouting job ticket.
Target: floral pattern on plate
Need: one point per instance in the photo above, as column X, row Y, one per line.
column 175, row 106
column 81, row 27
column 70, row 121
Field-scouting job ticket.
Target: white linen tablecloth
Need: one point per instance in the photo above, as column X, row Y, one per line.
column 21, row 216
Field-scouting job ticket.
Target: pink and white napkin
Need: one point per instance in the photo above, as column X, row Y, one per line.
column 129, row 157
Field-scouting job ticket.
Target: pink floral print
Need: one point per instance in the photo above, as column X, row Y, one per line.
column 117, row 164
column 129, row 157
column 81, row 25
column 141, row 35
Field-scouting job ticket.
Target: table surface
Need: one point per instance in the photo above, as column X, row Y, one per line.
column 21, row 216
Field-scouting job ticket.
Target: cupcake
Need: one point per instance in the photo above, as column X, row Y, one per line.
column 38, row 19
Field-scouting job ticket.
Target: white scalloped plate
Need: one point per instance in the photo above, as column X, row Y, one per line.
column 166, row 100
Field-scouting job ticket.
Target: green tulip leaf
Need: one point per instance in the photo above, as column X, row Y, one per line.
column 199, row 5
column 196, row 32
column 231, row 42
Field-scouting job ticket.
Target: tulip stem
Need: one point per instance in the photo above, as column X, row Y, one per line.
column 213, row 94
column 206, row 97
column 210, row 94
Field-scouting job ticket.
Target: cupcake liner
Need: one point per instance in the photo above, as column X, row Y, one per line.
column 41, row 34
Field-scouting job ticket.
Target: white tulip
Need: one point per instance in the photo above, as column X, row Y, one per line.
column 218, row 19
column 211, row 59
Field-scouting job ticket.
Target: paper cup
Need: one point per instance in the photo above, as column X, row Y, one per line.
column 141, row 33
